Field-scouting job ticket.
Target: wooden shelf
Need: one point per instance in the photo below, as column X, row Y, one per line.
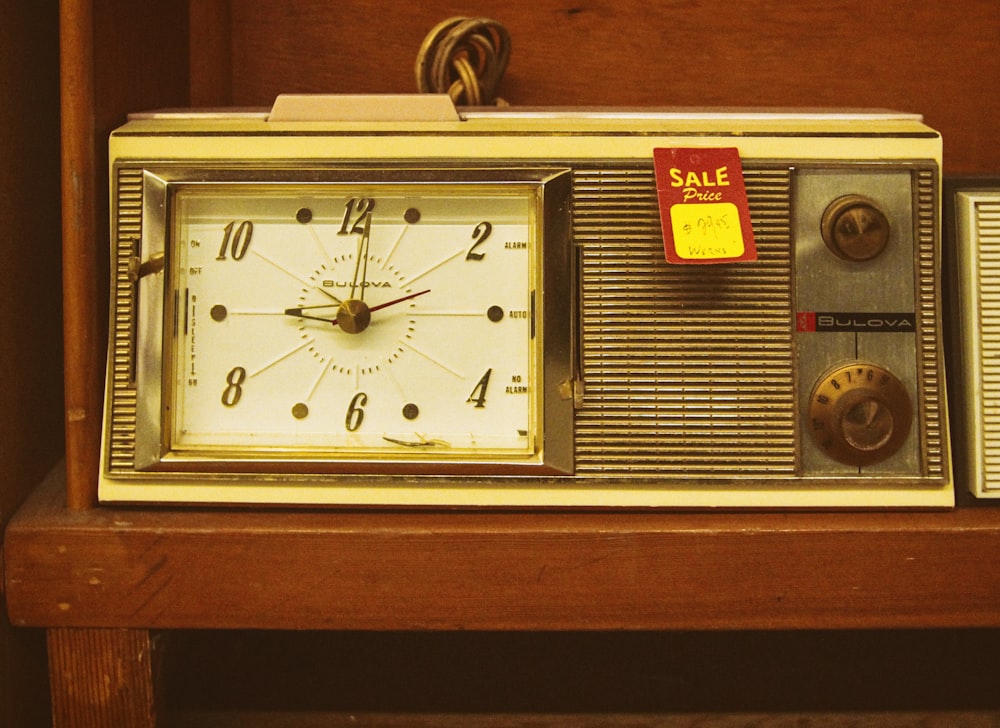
column 269, row 569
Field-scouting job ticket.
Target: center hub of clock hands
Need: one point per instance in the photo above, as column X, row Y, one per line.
column 353, row 315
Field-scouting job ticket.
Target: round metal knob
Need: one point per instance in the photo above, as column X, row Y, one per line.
column 854, row 228
column 860, row 413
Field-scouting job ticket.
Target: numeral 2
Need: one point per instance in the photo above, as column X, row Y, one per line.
column 479, row 236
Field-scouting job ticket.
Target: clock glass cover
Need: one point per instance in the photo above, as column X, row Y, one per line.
column 345, row 322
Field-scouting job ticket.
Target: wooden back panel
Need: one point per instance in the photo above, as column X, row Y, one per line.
column 934, row 58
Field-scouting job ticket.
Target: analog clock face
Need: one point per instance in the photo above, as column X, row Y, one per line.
column 333, row 320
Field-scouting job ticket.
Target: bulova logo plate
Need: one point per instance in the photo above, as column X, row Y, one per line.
column 825, row 321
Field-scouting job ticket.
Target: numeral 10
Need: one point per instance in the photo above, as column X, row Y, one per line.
column 236, row 244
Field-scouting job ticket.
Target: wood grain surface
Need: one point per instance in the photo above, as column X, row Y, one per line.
column 102, row 678
column 271, row 569
column 933, row 58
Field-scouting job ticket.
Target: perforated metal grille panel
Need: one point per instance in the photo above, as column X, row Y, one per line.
column 688, row 369
column 128, row 226
column 930, row 376
column 987, row 233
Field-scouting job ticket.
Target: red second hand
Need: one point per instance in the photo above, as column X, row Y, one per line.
column 398, row 300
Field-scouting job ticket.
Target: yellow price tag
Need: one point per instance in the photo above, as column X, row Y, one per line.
column 707, row 231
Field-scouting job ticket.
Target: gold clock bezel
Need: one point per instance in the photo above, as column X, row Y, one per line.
column 553, row 305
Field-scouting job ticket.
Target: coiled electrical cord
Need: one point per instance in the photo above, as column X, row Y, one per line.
column 464, row 58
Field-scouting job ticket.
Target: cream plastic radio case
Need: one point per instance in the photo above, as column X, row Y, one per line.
column 387, row 302
column 972, row 210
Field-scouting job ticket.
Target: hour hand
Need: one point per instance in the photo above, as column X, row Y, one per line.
column 299, row 312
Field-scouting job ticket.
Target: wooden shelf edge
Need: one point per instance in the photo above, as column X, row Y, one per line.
column 300, row 719
column 353, row 570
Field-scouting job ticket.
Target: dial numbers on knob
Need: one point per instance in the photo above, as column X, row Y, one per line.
column 860, row 413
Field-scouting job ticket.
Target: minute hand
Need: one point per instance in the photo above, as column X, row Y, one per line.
column 361, row 266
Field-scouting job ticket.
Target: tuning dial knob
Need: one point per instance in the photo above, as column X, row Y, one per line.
column 854, row 228
column 860, row 413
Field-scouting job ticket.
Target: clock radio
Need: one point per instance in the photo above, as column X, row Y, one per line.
column 390, row 302
column 972, row 212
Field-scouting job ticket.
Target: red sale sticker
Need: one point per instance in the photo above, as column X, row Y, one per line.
column 703, row 206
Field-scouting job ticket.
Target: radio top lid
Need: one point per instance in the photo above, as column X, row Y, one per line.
column 439, row 107
column 406, row 108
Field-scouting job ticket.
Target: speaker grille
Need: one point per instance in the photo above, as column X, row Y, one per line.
column 987, row 233
column 930, row 376
column 688, row 369
column 128, row 226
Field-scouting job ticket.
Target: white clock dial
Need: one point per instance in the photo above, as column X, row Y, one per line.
column 334, row 320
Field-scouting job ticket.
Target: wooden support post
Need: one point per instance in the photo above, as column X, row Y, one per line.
column 103, row 678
